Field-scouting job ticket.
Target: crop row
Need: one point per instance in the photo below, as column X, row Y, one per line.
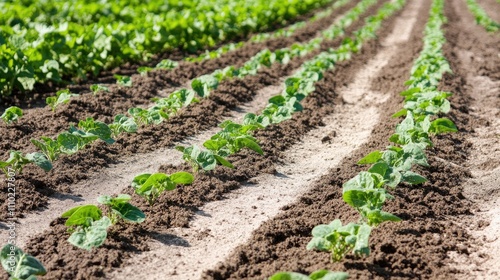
column 89, row 130
column 368, row 191
column 13, row 113
column 36, row 49
column 88, row 225
column 233, row 136
column 481, row 17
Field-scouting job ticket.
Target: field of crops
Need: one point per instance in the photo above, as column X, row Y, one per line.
column 223, row 139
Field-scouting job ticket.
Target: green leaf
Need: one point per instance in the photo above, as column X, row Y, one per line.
column 20, row 265
column 372, row 157
column 62, row 97
column 400, row 113
column 362, row 246
column 40, row 160
column 123, row 123
column 415, row 154
column 249, row 143
column 82, row 215
column 203, row 84
column 289, row 276
column 12, row 114
column 69, row 143
column 167, row 64
column 413, row 178
column 99, row 129
column 139, row 180
column 317, row 275
column 442, row 125
column 158, row 181
column 223, row 161
column 376, row 217
column 92, row 236
column 97, row 88
column 129, row 213
column 105, row 199
column 182, row 178
column 410, row 92
column 328, row 275
column 123, row 80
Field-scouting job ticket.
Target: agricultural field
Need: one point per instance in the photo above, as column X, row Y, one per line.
column 223, row 139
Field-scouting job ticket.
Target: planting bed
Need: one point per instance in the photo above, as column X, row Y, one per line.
column 256, row 219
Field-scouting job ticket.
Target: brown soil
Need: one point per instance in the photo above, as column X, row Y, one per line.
column 418, row 246
column 68, row 170
column 176, row 208
column 36, row 98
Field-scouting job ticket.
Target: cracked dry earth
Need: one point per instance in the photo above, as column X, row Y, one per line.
column 255, row 220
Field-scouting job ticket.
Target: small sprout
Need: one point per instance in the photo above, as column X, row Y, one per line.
column 19, row 265
column 11, row 114
column 317, row 275
column 62, row 97
column 125, row 81
column 150, row 186
column 98, row 88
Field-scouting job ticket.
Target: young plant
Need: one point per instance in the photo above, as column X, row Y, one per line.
column 340, row 240
column 144, row 70
column 50, row 148
column 366, row 194
column 125, row 81
column 90, row 128
column 11, row 114
column 167, row 64
column 204, row 84
column 62, row 97
column 206, row 160
column 89, row 227
column 20, row 265
column 121, row 124
column 98, row 88
column 151, row 186
column 232, row 139
column 16, row 161
column 317, row 275
column 120, row 209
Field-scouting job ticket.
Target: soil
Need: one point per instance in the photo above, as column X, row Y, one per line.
column 69, row 170
column 254, row 220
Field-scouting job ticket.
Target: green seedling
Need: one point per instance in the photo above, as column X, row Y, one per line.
column 151, row 186
column 20, row 265
column 11, row 114
column 98, row 88
column 62, row 97
column 340, row 240
column 121, row 80
column 317, row 275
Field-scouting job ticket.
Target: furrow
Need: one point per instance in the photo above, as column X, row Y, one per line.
column 219, row 227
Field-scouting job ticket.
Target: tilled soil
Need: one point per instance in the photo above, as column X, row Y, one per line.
column 36, row 98
column 35, row 184
column 417, row 247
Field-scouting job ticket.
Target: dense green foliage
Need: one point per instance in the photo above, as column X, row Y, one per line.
column 50, row 40
column 88, row 225
column 482, row 17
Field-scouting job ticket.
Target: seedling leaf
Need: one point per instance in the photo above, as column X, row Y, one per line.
column 372, row 157
column 92, row 236
column 82, row 215
column 24, row 265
